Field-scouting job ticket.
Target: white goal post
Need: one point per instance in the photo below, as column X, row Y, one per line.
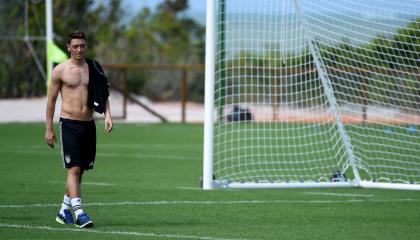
column 303, row 93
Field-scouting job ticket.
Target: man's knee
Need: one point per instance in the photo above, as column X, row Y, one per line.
column 75, row 171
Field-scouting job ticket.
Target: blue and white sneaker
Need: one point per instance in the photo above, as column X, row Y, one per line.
column 83, row 221
column 67, row 218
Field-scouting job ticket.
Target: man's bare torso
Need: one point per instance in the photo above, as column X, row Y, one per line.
column 74, row 91
column 71, row 79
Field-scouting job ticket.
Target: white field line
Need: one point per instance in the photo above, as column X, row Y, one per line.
column 138, row 234
column 339, row 194
column 217, row 202
column 87, row 183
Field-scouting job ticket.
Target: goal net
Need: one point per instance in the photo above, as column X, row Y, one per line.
column 304, row 93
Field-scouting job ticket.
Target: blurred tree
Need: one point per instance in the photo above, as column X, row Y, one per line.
column 164, row 37
column 21, row 77
column 407, row 45
column 400, row 50
column 160, row 36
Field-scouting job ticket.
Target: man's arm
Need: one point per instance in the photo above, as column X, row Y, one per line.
column 108, row 118
column 53, row 91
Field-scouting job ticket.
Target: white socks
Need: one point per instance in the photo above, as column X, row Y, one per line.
column 76, row 204
column 66, row 204
column 69, row 203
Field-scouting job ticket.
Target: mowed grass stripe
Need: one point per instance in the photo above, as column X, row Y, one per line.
column 105, row 154
column 119, row 155
column 168, row 146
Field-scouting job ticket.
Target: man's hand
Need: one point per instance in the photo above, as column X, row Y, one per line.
column 108, row 125
column 50, row 138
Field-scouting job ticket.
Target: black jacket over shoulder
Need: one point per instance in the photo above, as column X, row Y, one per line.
column 98, row 86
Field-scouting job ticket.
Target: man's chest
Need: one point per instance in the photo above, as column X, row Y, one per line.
column 76, row 76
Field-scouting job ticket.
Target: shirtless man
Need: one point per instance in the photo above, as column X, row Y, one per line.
column 77, row 127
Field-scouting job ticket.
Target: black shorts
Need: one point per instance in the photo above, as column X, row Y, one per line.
column 78, row 143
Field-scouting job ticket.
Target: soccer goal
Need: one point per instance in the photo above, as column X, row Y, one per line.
column 303, row 93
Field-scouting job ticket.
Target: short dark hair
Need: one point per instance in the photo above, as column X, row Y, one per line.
column 76, row 35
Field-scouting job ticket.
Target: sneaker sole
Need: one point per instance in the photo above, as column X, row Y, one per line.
column 86, row 225
column 59, row 220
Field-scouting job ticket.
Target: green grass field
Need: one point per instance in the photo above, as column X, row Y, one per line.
column 145, row 185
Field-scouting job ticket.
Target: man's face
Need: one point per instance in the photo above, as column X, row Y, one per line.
column 77, row 48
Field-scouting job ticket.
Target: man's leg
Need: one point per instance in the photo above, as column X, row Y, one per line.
column 64, row 215
column 71, row 197
column 74, row 180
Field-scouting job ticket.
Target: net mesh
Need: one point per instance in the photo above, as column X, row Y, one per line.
column 276, row 120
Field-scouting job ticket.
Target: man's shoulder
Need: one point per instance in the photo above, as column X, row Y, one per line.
column 62, row 66
column 58, row 70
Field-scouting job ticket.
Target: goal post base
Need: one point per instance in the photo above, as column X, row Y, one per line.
column 291, row 185
column 396, row 186
column 268, row 185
